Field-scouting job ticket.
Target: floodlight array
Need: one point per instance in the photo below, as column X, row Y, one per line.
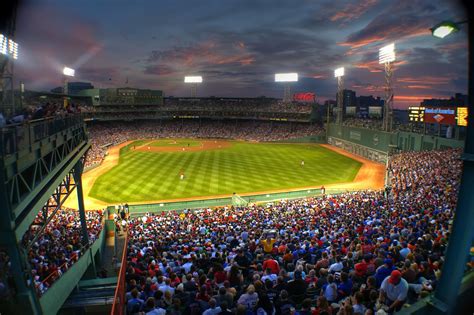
column 387, row 54
column 443, row 31
column 339, row 72
column 193, row 79
column 286, row 77
column 8, row 46
column 68, row 72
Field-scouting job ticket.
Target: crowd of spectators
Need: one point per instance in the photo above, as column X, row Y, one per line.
column 104, row 135
column 370, row 123
column 355, row 253
column 236, row 105
column 47, row 108
column 243, row 108
column 58, row 246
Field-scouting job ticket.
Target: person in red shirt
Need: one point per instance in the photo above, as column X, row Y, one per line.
column 272, row 264
column 361, row 268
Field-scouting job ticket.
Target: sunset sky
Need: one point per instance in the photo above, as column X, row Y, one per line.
column 238, row 45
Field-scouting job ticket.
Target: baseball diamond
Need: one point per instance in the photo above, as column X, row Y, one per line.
column 150, row 170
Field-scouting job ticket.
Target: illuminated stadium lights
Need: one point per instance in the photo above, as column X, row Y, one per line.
column 339, row 72
column 445, row 28
column 193, row 79
column 68, row 72
column 8, row 47
column 387, row 57
column 286, row 77
column 387, row 54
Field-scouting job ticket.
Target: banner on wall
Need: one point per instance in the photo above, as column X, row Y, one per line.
column 443, row 116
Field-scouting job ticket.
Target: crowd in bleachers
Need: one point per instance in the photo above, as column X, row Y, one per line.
column 370, row 123
column 354, row 253
column 106, row 134
column 58, row 246
column 237, row 105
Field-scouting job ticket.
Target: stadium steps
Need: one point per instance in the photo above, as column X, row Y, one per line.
column 91, row 297
column 113, row 247
column 95, row 296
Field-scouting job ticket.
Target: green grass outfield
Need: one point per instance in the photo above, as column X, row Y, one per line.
column 242, row 168
column 175, row 143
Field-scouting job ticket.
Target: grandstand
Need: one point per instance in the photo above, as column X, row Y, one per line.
column 120, row 200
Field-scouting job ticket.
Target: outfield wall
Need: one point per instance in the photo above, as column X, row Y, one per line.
column 370, row 144
column 376, row 144
column 309, row 139
column 225, row 201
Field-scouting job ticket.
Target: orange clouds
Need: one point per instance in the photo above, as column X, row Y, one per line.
column 352, row 11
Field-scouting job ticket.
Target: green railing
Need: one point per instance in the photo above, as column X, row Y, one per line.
column 52, row 300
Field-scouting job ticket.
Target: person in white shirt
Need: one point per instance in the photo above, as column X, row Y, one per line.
column 393, row 291
column 249, row 299
column 166, row 287
column 337, row 266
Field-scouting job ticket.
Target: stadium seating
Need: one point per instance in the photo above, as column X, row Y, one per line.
column 331, row 253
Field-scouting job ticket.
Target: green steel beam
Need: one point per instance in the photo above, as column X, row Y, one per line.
column 39, row 198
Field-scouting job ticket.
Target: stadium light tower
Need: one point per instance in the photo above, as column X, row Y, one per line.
column 67, row 72
column 194, row 81
column 286, row 78
column 387, row 57
column 339, row 74
column 8, row 53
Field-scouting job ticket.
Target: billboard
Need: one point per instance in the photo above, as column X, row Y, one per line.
column 375, row 111
column 304, row 97
column 443, row 116
column 462, row 116
column 350, row 110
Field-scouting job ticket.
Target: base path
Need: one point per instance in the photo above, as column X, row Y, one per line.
column 371, row 175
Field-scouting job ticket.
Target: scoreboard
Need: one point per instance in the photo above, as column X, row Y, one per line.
column 416, row 114
column 462, row 116
column 444, row 116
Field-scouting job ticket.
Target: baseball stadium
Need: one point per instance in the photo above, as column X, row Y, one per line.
column 169, row 169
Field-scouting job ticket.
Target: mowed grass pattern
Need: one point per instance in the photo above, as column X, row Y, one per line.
column 174, row 143
column 242, row 168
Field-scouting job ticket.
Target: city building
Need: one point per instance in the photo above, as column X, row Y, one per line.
column 458, row 100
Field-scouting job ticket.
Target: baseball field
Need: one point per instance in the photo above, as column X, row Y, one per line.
column 165, row 169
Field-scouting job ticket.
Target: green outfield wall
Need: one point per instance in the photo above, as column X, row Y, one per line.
column 307, row 139
column 227, row 201
column 376, row 144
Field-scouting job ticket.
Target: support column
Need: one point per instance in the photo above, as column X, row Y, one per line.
column 462, row 232
column 25, row 301
column 340, row 96
column 80, row 201
column 388, row 106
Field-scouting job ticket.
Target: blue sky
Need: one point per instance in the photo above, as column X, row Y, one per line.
column 237, row 46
